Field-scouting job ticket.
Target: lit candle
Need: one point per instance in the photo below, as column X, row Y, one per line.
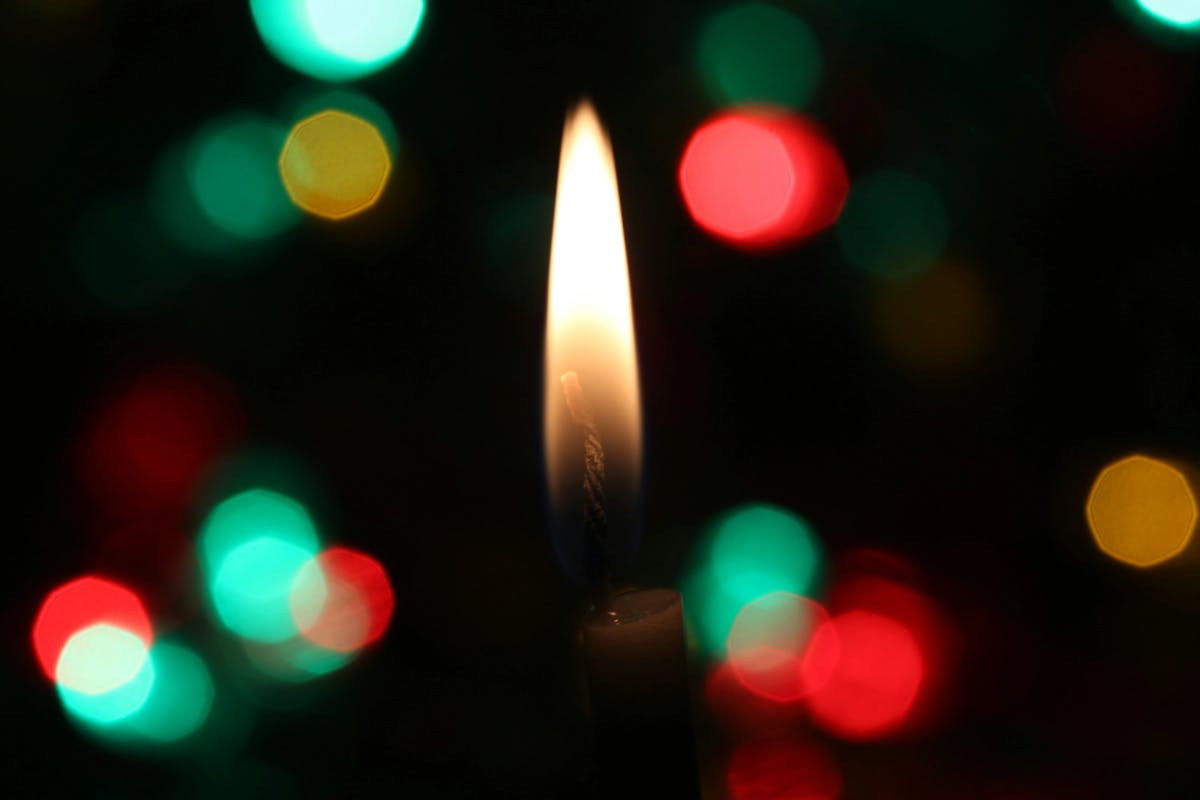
column 633, row 642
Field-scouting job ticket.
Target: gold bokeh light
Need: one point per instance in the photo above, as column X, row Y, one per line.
column 334, row 164
column 1141, row 511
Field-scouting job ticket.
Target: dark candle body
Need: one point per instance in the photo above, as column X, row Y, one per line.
column 636, row 659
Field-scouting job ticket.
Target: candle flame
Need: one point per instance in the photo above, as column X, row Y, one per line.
column 589, row 331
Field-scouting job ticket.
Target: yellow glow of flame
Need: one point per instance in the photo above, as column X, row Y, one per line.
column 589, row 320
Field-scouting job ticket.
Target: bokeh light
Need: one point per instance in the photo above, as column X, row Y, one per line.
column 83, row 603
column 231, row 172
column 936, row 322
column 337, row 40
column 342, row 600
column 252, row 586
column 894, row 225
column 772, row 647
column 334, row 164
column 180, row 699
column 1184, row 14
column 104, row 674
column 1141, row 511
column 153, row 438
column 749, row 552
column 759, row 178
column 309, row 101
column 783, row 769
column 1118, row 93
column 874, row 685
column 99, row 658
column 294, row 660
column 251, row 515
column 756, row 52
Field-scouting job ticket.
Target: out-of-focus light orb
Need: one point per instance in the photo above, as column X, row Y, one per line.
column 894, row 225
column 180, row 699
column 104, row 674
column 783, row 769
column 100, row 658
column 874, row 685
column 338, row 40
column 936, row 322
column 312, row 101
column 153, row 438
column 81, row 604
column 772, row 649
column 251, row 515
column 334, row 164
column 756, row 52
column 252, row 587
column 342, row 600
column 1141, row 511
column 750, row 552
column 759, row 179
column 1176, row 13
column 231, row 172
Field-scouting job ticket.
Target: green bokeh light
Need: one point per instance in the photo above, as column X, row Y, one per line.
column 251, row 589
column 295, row 660
column 894, row 225
column 255, row 514
column 338, row 40
column 106, row 675
column 749, row 552
column 181, row 698
column 231, row 170
column 758, row 53
column 1181, row 14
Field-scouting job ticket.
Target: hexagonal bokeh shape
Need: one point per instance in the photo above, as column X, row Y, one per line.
column 1141, row 511
column 334, row 164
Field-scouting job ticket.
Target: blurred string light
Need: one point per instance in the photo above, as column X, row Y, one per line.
column 181, row 698
column 748, row 552
column 104, row 674
column 756, row 52
column 338, row 40
column 334, row 164
column 154, row 437
column 81, row 604
column 936, row 322
column 311, row 100
column 342, row 600
column 789, row 768
column 759, row 178
column 1179, row 14
column 773, row 647
column 1141, row 511
column 219, row 193
column 894, row 225
column 896, row 656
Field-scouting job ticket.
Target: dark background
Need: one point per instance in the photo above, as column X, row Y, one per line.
column 399, row 356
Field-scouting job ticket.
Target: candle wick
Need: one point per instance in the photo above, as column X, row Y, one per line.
column 595, row 520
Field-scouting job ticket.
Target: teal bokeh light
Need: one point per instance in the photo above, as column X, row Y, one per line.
column 232, row 172
column 894, row 225
column 104, row 675
column 1181, row 14
column 338, row 40
column 252, row 588
column 181, row 698
column 255, row 514
column 758, row 52
column 749, row 552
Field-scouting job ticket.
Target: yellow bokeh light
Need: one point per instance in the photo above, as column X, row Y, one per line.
column 334, row 164
column 1141, row 511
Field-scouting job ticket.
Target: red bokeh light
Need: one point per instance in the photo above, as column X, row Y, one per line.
column 151, row 441
column 760, row 178
column 79, row 604
column 774, row 649
column 743, row 712
column 875, row 684
column 358, row 602
column 788, row 769
column 1117, row 92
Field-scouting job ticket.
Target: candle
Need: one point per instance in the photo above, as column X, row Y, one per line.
column 633, row 642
